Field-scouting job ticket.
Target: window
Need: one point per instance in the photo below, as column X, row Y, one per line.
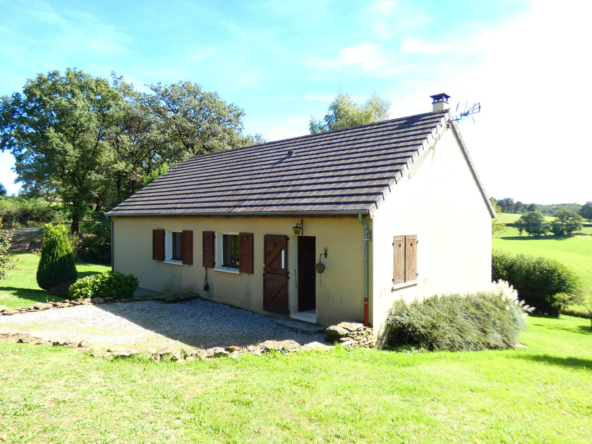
column 404, row 259
column 176, row 251
column 173, row 247
column 231, row 250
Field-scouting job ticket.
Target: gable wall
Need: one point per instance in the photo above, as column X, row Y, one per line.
column 442, row 204
column 339, row 288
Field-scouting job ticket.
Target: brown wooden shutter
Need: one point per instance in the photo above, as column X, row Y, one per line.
column 246, row 253
column 158, row 245
column 209, row 259
column 187, row 247
column 398, row 259
column 411, row 258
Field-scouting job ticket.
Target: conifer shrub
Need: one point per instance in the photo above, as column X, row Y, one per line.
column 543, row 283
column 110, row 284
column 56, row 266
column 482, row 321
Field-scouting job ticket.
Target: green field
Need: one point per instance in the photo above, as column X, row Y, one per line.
column 512, row 218
column 575, row 252
column 20, row 288
column 533, row 395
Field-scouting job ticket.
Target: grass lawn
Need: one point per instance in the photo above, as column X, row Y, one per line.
column 538, row 394
column 20, row 288
column 575, row 252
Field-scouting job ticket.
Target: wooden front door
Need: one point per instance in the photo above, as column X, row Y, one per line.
column 307, row 279
column 275, row 274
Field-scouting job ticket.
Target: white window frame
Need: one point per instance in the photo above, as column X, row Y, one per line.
column 168, row 248
column 219, row 252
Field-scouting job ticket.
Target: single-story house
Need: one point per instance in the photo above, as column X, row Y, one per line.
column 328, row 227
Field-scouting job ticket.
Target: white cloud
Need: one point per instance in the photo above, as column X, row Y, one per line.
column 369, row 58
column 414, row 46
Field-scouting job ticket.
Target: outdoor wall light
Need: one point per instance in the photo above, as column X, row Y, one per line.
column 299, row 228
column 320, row 267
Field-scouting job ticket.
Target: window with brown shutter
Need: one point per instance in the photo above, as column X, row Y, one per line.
column 158, row 245
column 187, row 247
column 246, row 253
column 404, row 259
column 209, row 259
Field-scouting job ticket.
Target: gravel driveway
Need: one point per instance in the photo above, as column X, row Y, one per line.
column 142, row 325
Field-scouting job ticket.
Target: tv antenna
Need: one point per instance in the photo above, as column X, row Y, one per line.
column 476, row 108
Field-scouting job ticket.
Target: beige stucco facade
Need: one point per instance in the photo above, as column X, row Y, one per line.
column 339, row 290
column 440, row 201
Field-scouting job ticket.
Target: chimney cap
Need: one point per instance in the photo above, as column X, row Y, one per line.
column 442, row 97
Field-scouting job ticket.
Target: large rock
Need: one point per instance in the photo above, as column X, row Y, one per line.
column 10, row 312
column 3, row 308
column 336, row 331
column 317, row 346
column 123, row 352
column 98, row 300
column 217, row 352
column 41, row 306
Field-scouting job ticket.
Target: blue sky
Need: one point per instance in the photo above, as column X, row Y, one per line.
column 283, row 62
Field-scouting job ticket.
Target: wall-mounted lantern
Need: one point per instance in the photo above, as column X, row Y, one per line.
column 299, row 228
column 320, row 267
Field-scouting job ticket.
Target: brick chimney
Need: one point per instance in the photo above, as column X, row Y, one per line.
column 440, row 102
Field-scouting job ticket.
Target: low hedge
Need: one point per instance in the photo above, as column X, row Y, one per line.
column 542, row 283
column 484, row 321
column 110, row 284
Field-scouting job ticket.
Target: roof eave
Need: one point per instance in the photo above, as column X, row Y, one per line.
column 349, row 213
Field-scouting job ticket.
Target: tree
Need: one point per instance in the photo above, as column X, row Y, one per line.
column 518, row 207
column 507, row 205
column 534, row 223
column 532, row 207
column 566, row 222
column 56, row 265
column 195, row 121
column 345, row 113
column 586, row 211
column 56, row 129
column 3, row 191
column 6, row 262
column 496, row 226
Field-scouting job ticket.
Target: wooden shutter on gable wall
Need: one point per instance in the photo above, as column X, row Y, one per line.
column 411, row 258
column 187, row 247
column 209, row 259
column 158, row 245
column 398, row 259
column 246, row 253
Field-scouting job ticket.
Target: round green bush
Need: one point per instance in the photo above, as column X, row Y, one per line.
column 455, row 323
column 56, row 266
column 541, row 283
column 110, row 284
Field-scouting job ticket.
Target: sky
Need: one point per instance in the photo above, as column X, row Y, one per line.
column 282, row 62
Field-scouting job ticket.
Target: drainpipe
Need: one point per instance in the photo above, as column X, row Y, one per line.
column 366, row 233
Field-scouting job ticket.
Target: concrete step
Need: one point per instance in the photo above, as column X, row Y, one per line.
column 300, row 327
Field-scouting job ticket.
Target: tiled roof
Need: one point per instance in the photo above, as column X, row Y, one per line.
column 338, row 172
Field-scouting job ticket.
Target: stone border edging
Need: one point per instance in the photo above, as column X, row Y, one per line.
column 66, row 303
column 171, row 353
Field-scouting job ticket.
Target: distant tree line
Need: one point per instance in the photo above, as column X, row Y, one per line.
column 566, row 223
column 508, row 205
column 82, row 140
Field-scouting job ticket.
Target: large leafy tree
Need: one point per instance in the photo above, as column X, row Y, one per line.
column 193, row 121
column 534, row 223
column 56, row 129
column 344, row 113
column 566, row 223
column 586, row 211
column 3, row 191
